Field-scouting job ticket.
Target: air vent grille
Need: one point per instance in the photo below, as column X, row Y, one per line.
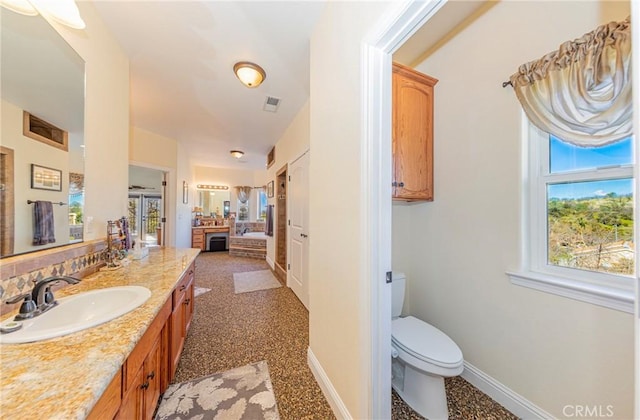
column 271, row 104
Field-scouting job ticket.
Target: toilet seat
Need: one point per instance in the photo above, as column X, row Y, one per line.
column 425, row 342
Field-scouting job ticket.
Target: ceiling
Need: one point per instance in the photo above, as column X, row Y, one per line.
column 182, row 55
column 182, row 82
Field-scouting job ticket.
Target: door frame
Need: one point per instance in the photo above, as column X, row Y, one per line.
column 288, row 235
column 394, row 28
column 169, row 196
column 635, row 46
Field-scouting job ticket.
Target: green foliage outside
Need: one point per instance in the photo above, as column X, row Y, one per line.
column 592, row 233
column 76, row 208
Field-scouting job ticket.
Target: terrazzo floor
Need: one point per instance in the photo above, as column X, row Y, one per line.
column 230, row 330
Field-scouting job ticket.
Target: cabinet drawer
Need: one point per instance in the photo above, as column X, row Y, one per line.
column 183, row 284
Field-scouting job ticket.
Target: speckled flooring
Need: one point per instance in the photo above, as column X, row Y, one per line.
column 230, row 330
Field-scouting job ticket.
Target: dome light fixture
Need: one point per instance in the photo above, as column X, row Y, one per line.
column 250, row 74
column 62, row 11
column 237, row 153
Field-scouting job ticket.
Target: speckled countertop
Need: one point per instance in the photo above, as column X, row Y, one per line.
column 63, row 378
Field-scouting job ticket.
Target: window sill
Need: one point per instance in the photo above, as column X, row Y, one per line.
column 609, row 297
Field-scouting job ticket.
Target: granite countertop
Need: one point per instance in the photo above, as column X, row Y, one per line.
column 63, row 378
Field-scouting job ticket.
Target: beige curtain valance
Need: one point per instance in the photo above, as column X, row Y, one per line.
column 581, row 93
column 243, row 193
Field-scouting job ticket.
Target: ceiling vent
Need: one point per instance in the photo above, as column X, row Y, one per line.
column 271, row 104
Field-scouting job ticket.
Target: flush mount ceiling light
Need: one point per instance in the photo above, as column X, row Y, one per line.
column 62, row 11
column 250, row 74
column 237, row 153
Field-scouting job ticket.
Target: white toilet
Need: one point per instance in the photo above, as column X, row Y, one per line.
column 422, row 357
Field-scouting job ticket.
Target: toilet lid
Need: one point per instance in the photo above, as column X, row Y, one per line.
column 425, row 342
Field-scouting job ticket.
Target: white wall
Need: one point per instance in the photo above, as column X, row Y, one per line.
column 293, row 143
column 338, row 302
column 552, row 350
column 106, row 120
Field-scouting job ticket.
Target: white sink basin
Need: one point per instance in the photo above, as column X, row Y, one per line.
column 79, row 312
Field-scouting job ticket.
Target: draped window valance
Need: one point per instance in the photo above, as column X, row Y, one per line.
column 581, row 93
column 243, row 193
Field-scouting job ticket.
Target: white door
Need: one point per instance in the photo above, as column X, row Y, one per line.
column 297, row 278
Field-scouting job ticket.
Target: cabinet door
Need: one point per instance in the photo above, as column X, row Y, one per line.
column 412, row 134
column 177, row 333
column 151, row 380
column 188, row 308
column 132, row 403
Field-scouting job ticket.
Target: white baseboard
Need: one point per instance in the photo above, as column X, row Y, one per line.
column 330, row 393
column 504, row 396
column 271, row 263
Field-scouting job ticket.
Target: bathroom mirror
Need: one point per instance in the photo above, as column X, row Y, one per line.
column 42, row 75
column 213, row 202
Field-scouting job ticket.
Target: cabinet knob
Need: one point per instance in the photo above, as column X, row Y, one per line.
column 145, row 385
column 187, row 301
column 190, row 272
column 394, row 184
column 151, row 375
column 401, row 184
column 182, row 287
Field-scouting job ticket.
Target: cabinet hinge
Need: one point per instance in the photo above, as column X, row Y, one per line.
column 289, row 222
column 164, row 183
column 164, row 220
column 288, row 266
column 389, row 277
column 289, row 178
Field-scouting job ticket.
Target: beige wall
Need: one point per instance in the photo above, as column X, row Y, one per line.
column 552, row 350
column 26, row 152
column 231, row 178
column 106, row 120
column 293, row 143
column 337, row 302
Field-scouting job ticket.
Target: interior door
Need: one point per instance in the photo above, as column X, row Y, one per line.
column 145, row 218
column 297, row 278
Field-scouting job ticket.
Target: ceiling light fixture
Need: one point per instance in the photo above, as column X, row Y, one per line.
column 250, row 74
column 62, row 11
column 237, row 153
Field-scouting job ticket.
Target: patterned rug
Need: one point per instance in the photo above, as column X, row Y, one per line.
column 254, row 280
column 244, row 393
column 197, row 291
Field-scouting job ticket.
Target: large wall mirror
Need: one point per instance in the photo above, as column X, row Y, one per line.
column 42, row 77
column 214, row 203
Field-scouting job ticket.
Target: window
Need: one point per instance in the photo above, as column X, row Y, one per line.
column 579, row 217
column 262, row 206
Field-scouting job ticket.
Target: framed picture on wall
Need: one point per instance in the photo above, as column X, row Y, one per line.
column 43, row 178
column 270, row 189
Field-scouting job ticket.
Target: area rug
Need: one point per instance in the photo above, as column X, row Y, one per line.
column 200, row 290
column 254, row 280
column 244, row 393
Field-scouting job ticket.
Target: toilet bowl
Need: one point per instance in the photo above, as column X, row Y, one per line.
column 423, row 357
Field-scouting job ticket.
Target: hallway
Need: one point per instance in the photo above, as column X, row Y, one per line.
column 230, row 330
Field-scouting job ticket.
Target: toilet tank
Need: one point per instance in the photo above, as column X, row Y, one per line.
column 398, row 285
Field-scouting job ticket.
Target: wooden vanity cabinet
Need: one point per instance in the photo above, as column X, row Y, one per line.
column 181, row 317
column 412, row 134
column 197, row 238
column 147, row 372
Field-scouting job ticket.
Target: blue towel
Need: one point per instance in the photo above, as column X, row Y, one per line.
column 43, row 223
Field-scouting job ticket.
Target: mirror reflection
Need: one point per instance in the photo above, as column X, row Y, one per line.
column 42, row 150
column 214, row 203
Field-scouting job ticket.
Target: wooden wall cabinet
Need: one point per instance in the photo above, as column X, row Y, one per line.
column 412, row 134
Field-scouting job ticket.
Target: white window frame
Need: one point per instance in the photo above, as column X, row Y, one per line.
column 604, row 289
column 258, row 192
